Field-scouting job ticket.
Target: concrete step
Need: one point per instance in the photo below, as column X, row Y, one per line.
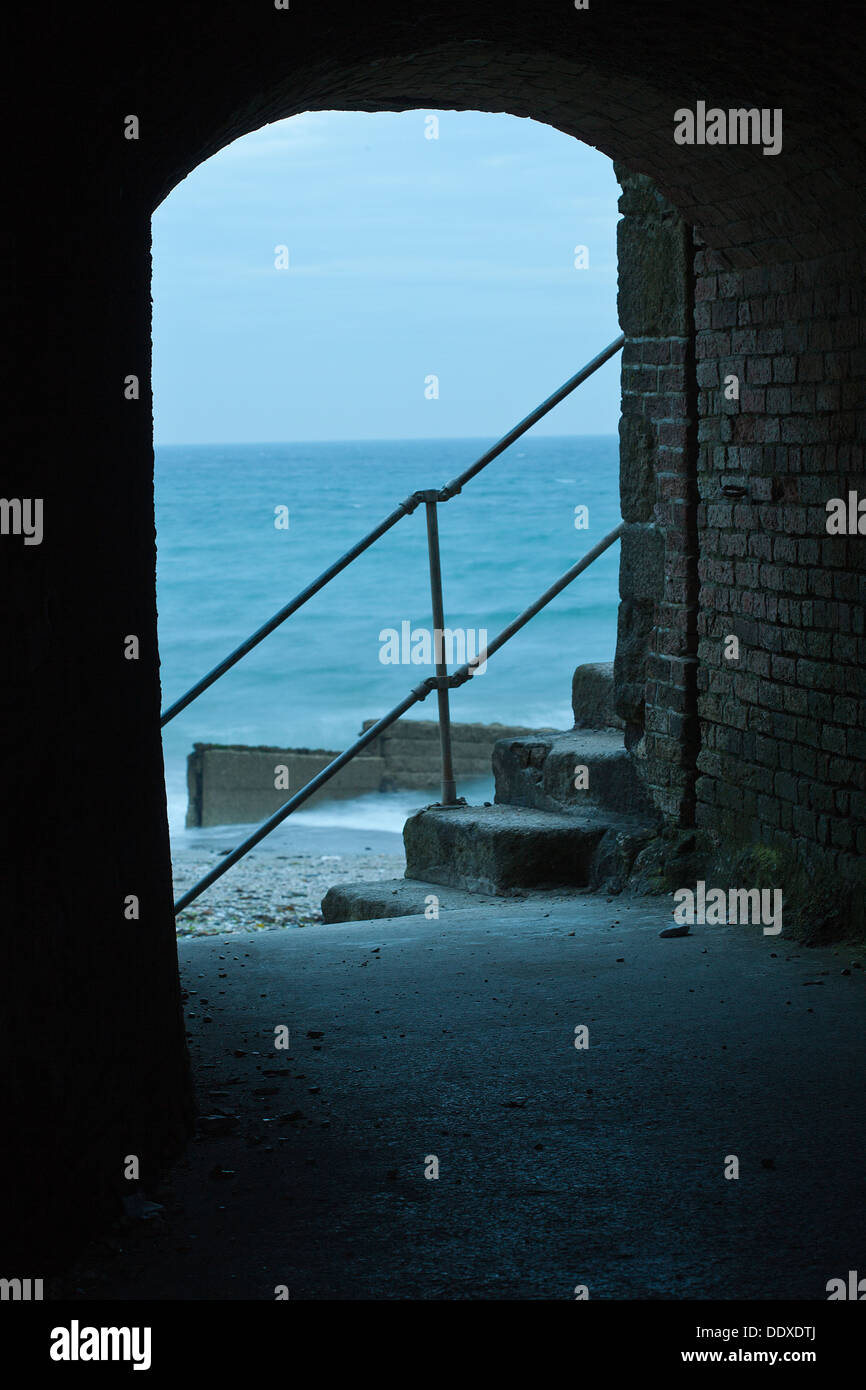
column 409, row 897
column 539, row 771
column 592, row 697
column 496, row 849
column 473, row 857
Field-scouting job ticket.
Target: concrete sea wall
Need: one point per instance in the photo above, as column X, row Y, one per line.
column 235, row 784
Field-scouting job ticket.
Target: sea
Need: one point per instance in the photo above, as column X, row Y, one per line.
column 241, row 528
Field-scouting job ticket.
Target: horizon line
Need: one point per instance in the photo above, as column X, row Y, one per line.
column 362, row 439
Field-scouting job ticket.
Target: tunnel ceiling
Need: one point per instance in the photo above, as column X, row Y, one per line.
column 612, row 76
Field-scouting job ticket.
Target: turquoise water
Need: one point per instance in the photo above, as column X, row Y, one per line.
column 223, row 568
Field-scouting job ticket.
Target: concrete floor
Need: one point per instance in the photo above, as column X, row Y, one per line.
column 557, row 1166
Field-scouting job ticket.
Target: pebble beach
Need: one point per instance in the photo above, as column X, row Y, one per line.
column 280, row 884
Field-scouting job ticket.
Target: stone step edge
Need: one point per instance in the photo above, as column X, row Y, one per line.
column 410, row 897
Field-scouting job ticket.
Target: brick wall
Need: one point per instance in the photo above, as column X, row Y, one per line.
column 783, row 728
column 654, row 671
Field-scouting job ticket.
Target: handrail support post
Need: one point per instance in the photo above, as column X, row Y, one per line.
column 449, row 785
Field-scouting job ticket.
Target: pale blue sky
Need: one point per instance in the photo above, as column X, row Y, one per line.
column 408, row 257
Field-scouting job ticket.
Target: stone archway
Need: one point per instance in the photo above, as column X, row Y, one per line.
column 102, row 1072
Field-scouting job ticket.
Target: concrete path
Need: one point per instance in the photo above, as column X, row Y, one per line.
column 557, row 1166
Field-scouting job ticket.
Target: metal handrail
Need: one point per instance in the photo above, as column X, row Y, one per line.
column 465, row 672
column 451, row 489
column 439, row 682
column 419, row 693
column 404, row 508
